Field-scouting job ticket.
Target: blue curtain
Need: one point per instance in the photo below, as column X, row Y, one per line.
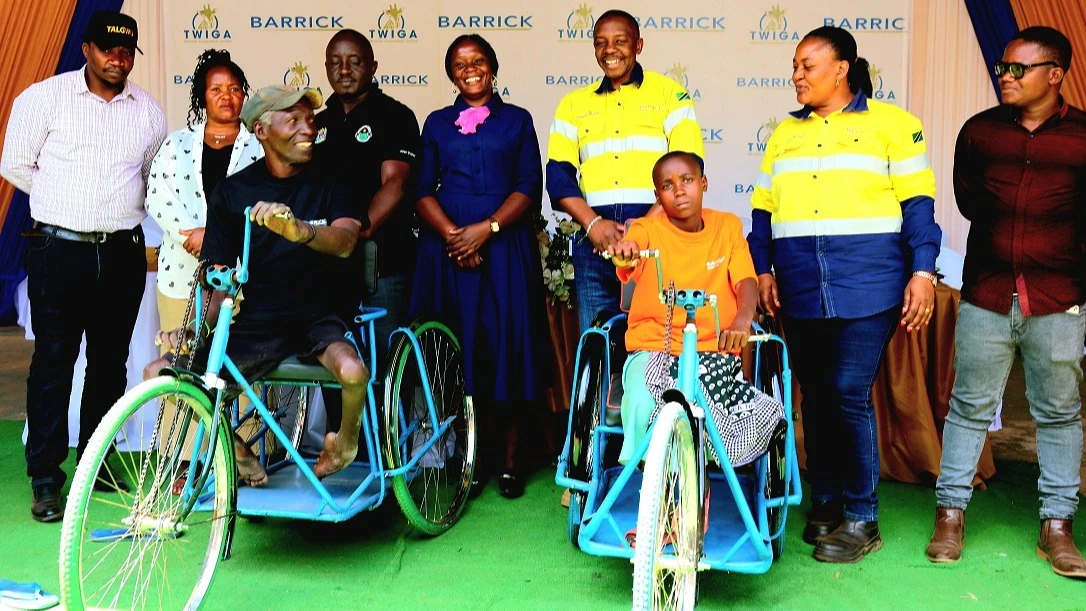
column 994, row 24
column 12, row 243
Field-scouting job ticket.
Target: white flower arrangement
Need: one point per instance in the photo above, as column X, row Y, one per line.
column 555, row 252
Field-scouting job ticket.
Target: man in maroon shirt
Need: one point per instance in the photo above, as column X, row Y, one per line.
column 1020, row 178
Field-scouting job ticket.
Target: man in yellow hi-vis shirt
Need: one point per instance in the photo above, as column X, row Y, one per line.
column 603, row 143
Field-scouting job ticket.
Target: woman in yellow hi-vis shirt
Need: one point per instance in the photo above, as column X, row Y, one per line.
column 844, row 242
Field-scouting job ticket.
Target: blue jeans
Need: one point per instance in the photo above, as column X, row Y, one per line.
column 77, row 288
column 595, row 281
column 1051, row 347
column 836, row 361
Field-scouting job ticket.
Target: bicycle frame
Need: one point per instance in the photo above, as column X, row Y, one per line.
column 376, row 474
column 600, row 531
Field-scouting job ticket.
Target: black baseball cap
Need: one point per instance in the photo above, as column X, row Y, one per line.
column 109, row 29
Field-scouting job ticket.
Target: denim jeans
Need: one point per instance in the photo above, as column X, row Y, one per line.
column 836, row 361
column 595, row 280
column 1051, row 347
column 77, row 288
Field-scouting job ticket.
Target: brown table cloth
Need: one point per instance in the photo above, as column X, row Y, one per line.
column 911, row 393
column 912, row 398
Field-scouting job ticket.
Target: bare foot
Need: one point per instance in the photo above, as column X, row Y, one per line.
column 334, row 457
column 249, row 469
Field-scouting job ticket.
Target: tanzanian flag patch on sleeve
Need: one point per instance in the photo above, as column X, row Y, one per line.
column 918, row 137
column 682, row 95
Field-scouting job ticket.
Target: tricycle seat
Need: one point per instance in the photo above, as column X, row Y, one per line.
column 300, row 369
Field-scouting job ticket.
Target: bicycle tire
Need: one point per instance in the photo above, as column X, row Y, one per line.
column 775, row 488
column 588, row 402
column 667, row 516
column 432, row 495
column 115, row 545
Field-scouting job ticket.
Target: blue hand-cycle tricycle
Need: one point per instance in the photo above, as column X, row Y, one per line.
column 157, row 544
column 665, row 502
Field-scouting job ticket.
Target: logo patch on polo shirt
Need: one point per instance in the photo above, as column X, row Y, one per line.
column 918, row 137
column 322, row 135
column 364, row 133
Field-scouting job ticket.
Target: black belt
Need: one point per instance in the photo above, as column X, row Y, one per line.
column 93, row 237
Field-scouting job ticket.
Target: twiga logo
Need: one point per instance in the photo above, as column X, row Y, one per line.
column 392, row 26
column 393, row 18
column 579, row 24
column 773, row 27
column 678, row 73
column 762, row 137
column 205, row 26
column 207, row 18
column 297, row 76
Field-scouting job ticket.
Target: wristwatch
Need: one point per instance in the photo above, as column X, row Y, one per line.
column 494, row 226
column 930, row 277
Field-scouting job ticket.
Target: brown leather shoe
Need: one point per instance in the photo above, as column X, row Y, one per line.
column 949, row 536
column 1057, row 545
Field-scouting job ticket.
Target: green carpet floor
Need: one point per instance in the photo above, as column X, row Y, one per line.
column 515, row 555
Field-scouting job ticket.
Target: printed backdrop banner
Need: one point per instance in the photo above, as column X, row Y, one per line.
column 734, row 58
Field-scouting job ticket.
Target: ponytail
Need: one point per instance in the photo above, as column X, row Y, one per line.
column 859, row 77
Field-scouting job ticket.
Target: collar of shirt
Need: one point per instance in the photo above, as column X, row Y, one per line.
column 637, row 77
column 1061, row 112
column 858, row 104
column 335, row 106
column 495, row 104
column 82, row 88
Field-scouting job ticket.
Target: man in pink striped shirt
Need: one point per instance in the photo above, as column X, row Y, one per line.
column 80, row 144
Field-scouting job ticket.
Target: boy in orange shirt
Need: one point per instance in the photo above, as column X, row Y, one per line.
column 699, row 249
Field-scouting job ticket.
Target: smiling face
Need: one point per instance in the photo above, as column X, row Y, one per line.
column 680, row 188
column 471, row 73
column 288, row 135
column 223, row 96
column 617, row 47
column 350, row 67
column 1036, row 84
column 821, row 79
column 108, row 68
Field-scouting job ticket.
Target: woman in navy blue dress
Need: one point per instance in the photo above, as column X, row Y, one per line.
column 480, row 184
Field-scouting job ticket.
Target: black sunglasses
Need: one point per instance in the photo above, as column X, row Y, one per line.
column 1017, row 70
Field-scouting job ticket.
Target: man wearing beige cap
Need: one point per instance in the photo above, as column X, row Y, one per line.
column 80, row 144
column 301, row 220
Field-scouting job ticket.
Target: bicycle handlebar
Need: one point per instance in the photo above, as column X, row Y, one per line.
column 641, row 254
column 690, row 299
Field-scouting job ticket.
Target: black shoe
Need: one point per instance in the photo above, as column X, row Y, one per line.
column 850, row 542
column 478, row 482
column 823, row 519
column 108, row 481
column 47, row 506
column 510, row 485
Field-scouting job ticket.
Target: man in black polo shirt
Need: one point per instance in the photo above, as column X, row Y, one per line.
column 372, row 140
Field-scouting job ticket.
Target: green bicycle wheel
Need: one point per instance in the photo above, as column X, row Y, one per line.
column 667, row 553
column 433, row 493
column 146, row 548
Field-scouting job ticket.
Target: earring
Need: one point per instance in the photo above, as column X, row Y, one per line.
column 837, row 83
column 494, row 84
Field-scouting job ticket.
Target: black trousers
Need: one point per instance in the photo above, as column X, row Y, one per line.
column 76, row 288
